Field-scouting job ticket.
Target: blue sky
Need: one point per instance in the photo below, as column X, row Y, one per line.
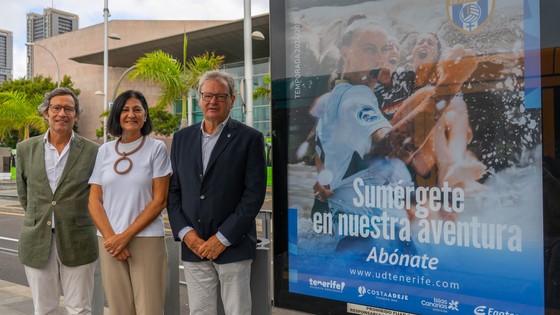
column 13, row 14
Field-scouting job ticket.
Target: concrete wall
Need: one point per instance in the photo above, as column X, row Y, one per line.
column 89, row 78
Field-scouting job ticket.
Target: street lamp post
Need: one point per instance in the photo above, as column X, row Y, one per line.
column 248, row 47
column 125, row 73
column 105, row 65
column 55, row 61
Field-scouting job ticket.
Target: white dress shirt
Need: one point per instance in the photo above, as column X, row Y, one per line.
column 55, row 162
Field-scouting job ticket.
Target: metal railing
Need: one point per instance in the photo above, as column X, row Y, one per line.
column 8, row 250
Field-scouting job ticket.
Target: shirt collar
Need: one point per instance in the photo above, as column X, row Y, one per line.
column 220, row 127
column 46, row 136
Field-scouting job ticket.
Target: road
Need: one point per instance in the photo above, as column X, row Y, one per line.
column 11, row 269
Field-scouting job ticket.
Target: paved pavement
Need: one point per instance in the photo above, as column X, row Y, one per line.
column 16, row 299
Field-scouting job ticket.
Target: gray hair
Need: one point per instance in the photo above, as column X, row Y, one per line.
column 44, row 106
column 218, row 75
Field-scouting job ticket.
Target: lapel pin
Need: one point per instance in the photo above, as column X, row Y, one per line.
column 229, row 135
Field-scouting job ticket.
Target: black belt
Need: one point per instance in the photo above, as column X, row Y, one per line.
column 52, row 231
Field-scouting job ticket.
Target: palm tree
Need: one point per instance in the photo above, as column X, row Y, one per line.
column 19, row 111
column 263, row 91
column 176, row 80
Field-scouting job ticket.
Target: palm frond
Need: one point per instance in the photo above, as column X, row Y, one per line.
column 20, row 111
column 158, row 67
column 199, row 65
column 261, row 92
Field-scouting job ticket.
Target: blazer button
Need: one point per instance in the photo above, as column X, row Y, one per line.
column 202, row 197
column 49, row 222
column 53, row 203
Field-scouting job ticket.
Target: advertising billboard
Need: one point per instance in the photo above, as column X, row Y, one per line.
column 409, row 179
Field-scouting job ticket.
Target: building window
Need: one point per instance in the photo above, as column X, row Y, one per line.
column 261, row 107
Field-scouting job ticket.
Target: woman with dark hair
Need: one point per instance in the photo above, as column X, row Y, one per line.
column 445, row 145
column 128, row 192
column 114, row 126
column 425, row 57
column 400, row 83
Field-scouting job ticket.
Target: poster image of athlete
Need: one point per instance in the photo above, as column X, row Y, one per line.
column 353, row 139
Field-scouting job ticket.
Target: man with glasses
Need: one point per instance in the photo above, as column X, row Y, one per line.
column 216, row 191
column 57, row 243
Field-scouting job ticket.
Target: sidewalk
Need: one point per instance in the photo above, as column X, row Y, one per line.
column 16, row 299
column 8, row 198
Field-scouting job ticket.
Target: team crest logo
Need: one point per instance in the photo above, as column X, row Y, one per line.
column 469, row 15
column 367, row 115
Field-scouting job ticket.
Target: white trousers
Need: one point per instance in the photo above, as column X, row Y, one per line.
column 202, row 287
column 76, row 284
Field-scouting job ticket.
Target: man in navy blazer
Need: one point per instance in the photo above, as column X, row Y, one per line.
column 216, row 191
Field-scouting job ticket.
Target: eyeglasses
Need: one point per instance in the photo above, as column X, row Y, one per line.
column 67, row 109
column 207, row 97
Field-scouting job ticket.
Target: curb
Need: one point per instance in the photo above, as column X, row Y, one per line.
column 12, row 210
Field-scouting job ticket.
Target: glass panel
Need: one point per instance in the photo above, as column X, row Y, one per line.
column 410, row 156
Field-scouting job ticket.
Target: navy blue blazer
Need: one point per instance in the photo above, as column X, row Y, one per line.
column 227, row 198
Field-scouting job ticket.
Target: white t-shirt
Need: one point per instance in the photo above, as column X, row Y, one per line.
column 126, row 196
column 348, row 116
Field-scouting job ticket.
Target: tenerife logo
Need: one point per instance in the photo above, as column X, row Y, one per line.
column 485, row 310
column 441, row 305
column 331, row 285
column 367, row 115
column 469, row 15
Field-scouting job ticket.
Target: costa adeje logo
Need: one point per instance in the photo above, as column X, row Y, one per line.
column 362, row 291
column 382, row 295
column 329, row 285
column 485, row 310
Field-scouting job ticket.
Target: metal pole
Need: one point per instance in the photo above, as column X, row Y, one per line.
column 105, row 65
column 98, row 300
column 127, row 71
column 55, row 61
column 190, row 108
column 172, row 301
column 247, row 30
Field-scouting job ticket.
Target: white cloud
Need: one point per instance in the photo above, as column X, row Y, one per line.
column 13, row 14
